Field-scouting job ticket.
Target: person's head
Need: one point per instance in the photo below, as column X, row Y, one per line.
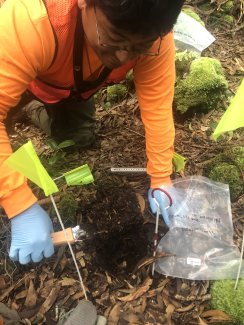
column 120, row 30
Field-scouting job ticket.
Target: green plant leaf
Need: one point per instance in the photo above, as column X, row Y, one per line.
column 52, row 144
column 66, row 144
column 52, row 160
column 178, row 162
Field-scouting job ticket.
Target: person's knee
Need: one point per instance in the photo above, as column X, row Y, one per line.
column 84, row 138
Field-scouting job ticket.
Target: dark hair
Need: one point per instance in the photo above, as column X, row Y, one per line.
column 143, row 17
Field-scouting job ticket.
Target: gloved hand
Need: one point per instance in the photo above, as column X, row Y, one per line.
column 167, row 199
column 31, row 238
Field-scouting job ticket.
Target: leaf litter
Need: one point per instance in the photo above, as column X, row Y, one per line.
column 116, row 264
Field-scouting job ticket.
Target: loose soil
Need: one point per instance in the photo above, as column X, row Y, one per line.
column 119, row 236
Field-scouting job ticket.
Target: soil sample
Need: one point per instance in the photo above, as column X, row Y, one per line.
column 120, row 241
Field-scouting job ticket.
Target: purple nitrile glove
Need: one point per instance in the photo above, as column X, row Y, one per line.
column 30, row 234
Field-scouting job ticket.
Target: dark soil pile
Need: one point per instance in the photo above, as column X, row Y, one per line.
column 119, row 239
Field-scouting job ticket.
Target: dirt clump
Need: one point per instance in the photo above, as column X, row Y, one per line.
column 120, row 239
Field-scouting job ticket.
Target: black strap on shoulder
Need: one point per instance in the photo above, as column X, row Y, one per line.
column 80, row 84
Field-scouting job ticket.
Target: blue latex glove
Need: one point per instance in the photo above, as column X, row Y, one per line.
column 164, row 199
column 31, row 240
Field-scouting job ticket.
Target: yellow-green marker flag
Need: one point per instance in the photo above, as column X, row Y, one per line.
column 233, row 118
column 26, row 162
column 79, row 176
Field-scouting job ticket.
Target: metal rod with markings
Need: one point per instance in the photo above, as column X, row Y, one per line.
column 128, row 170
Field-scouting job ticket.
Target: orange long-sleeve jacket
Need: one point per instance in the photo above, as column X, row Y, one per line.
column 27, row 50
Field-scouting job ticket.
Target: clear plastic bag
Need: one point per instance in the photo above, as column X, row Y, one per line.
column 200, row 237
column 190, row 35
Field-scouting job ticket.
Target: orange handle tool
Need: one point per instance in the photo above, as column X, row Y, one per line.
column 59, row 237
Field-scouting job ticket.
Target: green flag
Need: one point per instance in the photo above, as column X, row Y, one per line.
column 26, row 162
column 233, row 118
column 79, row 176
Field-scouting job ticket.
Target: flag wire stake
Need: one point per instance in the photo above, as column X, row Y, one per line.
column 70, row 247
column 239, row 268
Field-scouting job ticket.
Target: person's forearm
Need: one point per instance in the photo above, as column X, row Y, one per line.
column 27, row 47
column 155, row 78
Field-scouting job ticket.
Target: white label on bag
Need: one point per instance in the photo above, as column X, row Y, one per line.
column 190, row 34
column 193, row 261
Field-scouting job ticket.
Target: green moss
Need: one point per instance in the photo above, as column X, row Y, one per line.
column 228, row 6
column 183, row 61
column 236, row 155
column 231, row 301
column 220, row 19
column 68, row 206
column 205, row 6
column 193, row 14
column 116, row 93
column 228, row 174
column 203, row 87
column 227, row 19
column 232, row 156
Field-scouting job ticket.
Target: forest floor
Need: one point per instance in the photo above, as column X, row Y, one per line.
column 115, row 260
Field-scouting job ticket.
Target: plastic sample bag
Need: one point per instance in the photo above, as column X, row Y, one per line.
column 200, row 237
column 190, row 35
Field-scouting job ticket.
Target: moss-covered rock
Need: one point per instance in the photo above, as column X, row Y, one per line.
column 231, row 301
column 228, row 174
column 203, row 86
column 193, row 14
column 183, row 61
column 116, row 93
column 233, row 156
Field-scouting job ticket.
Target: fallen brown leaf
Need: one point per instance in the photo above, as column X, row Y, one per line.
column 201, row 321
column 186, row 308
column 193, row 298
column 149, row 260
column 68, row 282
column 31, row 297
column 78, row 295
column 169, row 312
column 217, row 315
column 2, row 282
column 131, row 318
column 14, row 286
column 140, row 291
column 141, row 202
column 144, row 304
column 50, row 300
column 114, row 314
column 22, row 294
column 156, row 291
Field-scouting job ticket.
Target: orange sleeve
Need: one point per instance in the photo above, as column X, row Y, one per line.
column 154, row 80
column 26, row 47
